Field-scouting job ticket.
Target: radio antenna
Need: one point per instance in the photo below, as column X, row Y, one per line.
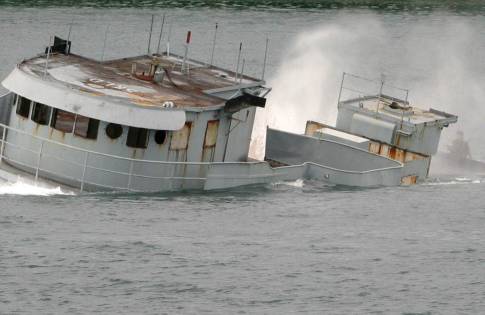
column 161, row 33
column 150, row 36
column 104, row 43
column 47, row 57
column 68, row 46
column 213, row 46
column 238, row 59
column 187, row 42
column 265, row 57
column 168, row 38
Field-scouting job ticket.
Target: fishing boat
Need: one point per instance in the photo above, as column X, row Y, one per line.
column 457, row 160
column 164, row 122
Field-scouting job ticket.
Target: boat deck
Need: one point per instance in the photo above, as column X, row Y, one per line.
column 398, row 109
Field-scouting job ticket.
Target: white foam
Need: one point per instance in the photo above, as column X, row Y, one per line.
column 24, row 189
column 297, row 183
column 456, row 181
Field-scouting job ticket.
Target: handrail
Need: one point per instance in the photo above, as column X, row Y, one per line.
column 121, row 157
column 77, row 172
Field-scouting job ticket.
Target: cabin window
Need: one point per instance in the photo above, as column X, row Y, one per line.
column 137, row 138
column 114, row 131
column 86, row 127
column 62, row 120
column 23, row 107
column 160, row 136
column 41, row 114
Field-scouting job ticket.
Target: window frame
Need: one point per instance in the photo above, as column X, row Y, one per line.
column 92, row 129
column 54, row 120
column 139, row 137
column 39, row 107
column 20, row 110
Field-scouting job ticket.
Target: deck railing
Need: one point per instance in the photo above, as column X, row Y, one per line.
column 49, row 160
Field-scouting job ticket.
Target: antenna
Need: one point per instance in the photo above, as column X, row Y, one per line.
column 47, row 57
column 242, row 71
column 383, row 80
column 161, row 33
column 168, row 39
column 150, row 37
column 213, row 46
column 104, row 43
column 68, row 48
column 187, row 42
column 341, row 89
column 238, row 59
column 265, row 57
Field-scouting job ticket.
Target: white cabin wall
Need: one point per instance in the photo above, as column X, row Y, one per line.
column 240, row 135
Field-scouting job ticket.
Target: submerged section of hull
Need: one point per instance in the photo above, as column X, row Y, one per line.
column 448, row 164
column 324, row 160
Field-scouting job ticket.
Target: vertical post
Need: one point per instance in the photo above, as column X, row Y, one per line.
column 86, row 155
column 407, row 95
column 242, row 71
column 341, row 88
column 265, row 57
column 68, row 46
column 104, row 43
column 39, row 157
column 3, row 142
column 150, row 36
column 380, row 92
column 161, row 33
column 213, row 46
column 129, row 175
column 238, row 59
column 187, row 42
column 47, row 57
column 168, row 39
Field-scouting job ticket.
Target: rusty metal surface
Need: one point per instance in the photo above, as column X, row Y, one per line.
column 210, row 140
column 180, row 138
column 116, row 79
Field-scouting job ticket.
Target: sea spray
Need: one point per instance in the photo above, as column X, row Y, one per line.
column 440, row 71
column 27, row 189
column 306, row 85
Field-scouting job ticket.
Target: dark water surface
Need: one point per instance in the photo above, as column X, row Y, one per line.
column 301, row 247
column 472, row 6
column 265, row 250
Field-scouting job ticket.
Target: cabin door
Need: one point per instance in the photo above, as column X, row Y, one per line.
column 210, row 140
column 179, row 144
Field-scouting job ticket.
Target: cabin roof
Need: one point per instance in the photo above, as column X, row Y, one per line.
column 114, row 80
column 398, row 110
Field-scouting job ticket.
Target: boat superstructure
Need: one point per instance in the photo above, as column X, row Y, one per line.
column 165, row 122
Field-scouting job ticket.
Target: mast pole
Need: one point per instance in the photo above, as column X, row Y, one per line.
column 265, row 58
column 47, row 57
column 168, row 39
column 238, row 60
column 68, row 46
column 213, row 46
column 161, row 33
column 150, row 36
column 104, row 43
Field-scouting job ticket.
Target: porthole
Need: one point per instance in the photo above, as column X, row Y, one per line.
column 114, row 131
column 160, row 136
